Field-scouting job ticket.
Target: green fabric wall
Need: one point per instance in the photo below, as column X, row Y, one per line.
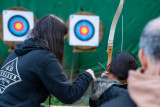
column 136, row 14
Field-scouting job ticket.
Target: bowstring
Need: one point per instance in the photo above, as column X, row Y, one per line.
column 122, row 27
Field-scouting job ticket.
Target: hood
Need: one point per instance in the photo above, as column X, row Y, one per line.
column 144, row 89
column 27, row 46
column 100, row 85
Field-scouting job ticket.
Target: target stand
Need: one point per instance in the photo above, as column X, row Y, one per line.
column 81, row 31
column 84, row 30
column 14, row 27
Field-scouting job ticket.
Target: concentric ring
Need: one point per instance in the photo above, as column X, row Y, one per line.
column 18, row 25
column 84, row 30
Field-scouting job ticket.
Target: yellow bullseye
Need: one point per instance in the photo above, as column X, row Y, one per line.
column 84, row 30
column 18, row 26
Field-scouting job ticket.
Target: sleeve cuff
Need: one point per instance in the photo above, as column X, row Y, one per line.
column 88, row 75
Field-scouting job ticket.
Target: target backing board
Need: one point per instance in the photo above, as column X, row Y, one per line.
column 83, row 30
column 16, row 24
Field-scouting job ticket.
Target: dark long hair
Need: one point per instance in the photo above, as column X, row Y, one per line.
column 49, row 32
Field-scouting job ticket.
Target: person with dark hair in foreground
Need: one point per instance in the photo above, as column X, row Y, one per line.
column 116, row 85
column 144, row 83
column 33, row 70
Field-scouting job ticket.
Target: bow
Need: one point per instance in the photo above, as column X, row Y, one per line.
column 112, row 31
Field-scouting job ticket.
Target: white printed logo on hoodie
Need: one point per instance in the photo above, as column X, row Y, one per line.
column 9, row 75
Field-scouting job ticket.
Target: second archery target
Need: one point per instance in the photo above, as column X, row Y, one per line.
column 83, row 30
column 17, row 24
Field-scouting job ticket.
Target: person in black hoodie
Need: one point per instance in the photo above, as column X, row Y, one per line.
column 115, row 84
column 33, row 70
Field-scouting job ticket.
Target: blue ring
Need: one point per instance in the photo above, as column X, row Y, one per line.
column 11, row 27
column 77, row 27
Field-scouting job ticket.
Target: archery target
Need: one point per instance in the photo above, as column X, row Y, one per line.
column 84, row 30
column 16, row 24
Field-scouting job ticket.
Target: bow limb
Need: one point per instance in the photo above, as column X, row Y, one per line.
column 112, row 31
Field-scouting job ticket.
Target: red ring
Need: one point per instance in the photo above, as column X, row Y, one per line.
column 14, row 25
column 83, row 33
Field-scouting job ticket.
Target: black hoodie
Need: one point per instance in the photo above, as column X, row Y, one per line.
column 31, row 73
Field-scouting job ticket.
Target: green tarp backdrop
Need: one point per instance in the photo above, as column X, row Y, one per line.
column 136, row 14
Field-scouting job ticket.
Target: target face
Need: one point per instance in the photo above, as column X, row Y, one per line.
column 18, row 25
column 84, row 30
